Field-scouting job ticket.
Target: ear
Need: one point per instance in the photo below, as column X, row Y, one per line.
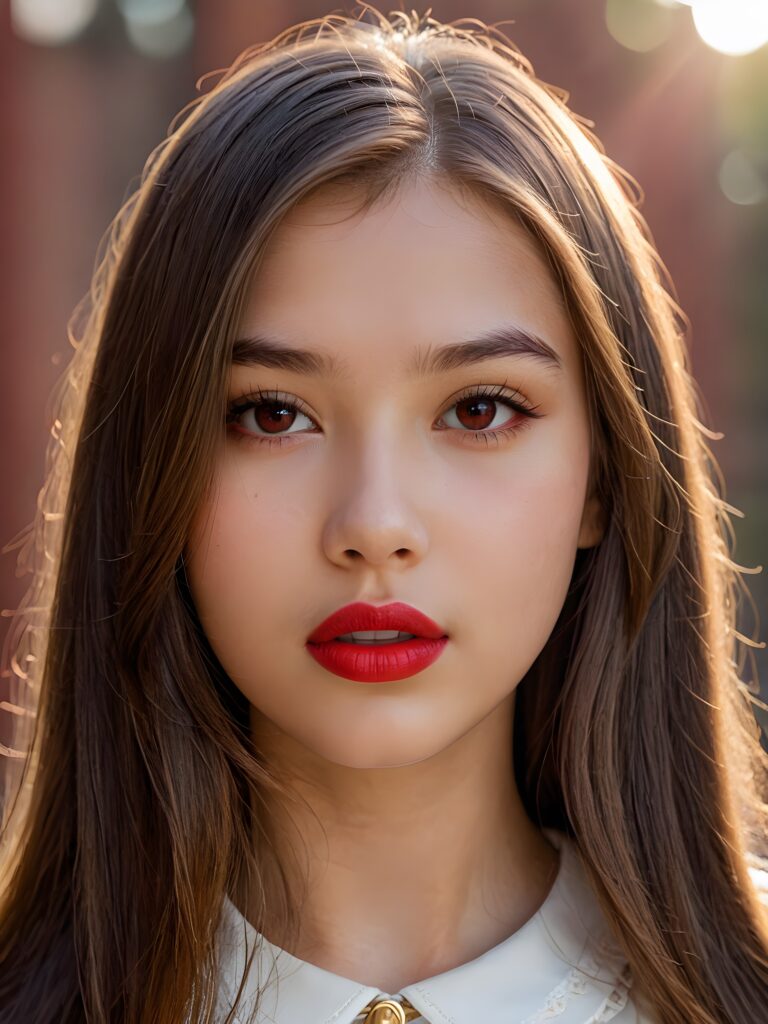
column 592, row 526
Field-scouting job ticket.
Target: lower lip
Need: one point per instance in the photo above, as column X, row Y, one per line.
column 377, row 663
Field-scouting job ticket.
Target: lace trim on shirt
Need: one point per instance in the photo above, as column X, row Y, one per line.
column 575, row 983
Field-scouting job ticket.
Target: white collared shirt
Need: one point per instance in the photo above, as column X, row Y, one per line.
column 560, row 965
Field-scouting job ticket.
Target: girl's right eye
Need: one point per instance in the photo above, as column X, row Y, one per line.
column 271, row 413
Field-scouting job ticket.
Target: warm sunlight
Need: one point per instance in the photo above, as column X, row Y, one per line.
column 735, row 27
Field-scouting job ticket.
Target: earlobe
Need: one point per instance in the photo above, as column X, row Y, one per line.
column 592, row 523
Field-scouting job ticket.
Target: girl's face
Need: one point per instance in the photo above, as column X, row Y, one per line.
column 390, row 479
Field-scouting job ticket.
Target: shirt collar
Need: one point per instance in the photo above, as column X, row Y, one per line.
column 561, row 962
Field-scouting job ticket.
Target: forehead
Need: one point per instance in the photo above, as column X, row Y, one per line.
column 430, row 265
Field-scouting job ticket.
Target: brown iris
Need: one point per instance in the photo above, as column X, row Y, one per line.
column 273, row 416
column 481, row 412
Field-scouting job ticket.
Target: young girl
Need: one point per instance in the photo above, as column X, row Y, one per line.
column 381, row 645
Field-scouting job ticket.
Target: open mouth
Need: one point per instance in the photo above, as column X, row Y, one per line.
column 391, row 651
column 375, row 637
column 377, row 660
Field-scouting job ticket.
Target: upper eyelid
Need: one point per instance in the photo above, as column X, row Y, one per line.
column 273, row 394
column 265, row 395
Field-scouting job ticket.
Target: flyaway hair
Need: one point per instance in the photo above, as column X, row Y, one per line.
column 132, row 788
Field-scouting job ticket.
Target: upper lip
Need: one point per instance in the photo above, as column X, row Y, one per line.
column 362, row 616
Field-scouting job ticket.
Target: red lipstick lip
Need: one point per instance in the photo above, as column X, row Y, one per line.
column 359, row 616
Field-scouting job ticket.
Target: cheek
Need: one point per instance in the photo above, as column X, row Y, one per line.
column 515, row 537
column 545, row 509
column 536, row 493
column 243, row 545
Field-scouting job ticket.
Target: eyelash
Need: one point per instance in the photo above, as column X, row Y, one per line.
column 508, row 396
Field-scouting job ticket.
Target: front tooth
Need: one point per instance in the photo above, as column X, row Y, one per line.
column 373, row 635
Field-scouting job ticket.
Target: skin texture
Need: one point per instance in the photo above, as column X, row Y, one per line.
column 419, row 854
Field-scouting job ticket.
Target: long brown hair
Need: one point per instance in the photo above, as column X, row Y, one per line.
column 136, row 790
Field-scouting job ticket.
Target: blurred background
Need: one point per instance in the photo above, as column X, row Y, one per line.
column 677, row 92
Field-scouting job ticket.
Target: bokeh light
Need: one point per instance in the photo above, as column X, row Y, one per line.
column 51, row 22
column 158, row 28
column 741, row 180
column 732, row 27
column 735, row 27
column 150, row 12
column 637, row 25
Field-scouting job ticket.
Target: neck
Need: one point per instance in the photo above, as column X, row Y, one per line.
column 407, row 871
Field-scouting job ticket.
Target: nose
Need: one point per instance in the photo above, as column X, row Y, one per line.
column 375, row 515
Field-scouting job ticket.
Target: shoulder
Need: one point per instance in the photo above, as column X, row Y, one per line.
column 632, row 1014
column 637, row 1009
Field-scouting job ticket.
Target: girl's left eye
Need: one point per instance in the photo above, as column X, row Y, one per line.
column 478, row 409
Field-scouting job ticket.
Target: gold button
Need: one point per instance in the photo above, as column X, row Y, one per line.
column 386, row 1011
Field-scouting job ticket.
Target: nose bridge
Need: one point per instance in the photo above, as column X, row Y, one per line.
column 374, row 508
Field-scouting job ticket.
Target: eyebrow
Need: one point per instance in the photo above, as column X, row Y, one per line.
column 496, row 343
